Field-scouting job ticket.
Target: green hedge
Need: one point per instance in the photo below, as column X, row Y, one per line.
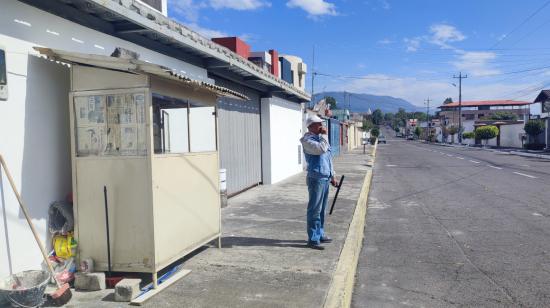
column 486, row 132
column 469, row 135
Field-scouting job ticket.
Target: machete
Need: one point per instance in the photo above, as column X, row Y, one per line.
column 336, row 195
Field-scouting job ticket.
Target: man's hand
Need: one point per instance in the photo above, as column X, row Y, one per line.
column 323, row 130
column 333, row 182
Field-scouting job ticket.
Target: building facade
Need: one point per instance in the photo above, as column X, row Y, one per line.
column 480, row 110
column 34, row 118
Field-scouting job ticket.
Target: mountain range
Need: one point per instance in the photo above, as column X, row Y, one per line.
column 359, row 102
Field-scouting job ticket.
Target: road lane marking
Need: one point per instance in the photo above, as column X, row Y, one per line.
column 495, row 167
column 450, row 155
column 391, row 165
column 460, row 157
column 475, row 162
column 526, row 175
column 537, row 214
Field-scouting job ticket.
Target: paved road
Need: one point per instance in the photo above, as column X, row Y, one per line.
column 455, row 227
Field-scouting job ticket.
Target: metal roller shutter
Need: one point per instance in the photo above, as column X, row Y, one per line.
column 240, row 143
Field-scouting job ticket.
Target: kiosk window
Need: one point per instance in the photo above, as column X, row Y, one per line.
column 181, row 127
column 170, row 125
column 202, row 126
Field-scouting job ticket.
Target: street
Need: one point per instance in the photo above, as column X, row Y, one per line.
column 450, row 226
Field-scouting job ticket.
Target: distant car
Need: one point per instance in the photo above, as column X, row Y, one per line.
column 399, row 135
column 382, row 139
column 410, row 137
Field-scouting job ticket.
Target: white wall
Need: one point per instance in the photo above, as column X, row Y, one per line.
column 34, row 136
column 34, row 121
column 509, row 135
column 281, row 133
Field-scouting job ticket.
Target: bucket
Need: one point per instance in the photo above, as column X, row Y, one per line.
column 25, row 289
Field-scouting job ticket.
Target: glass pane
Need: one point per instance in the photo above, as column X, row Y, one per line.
column 202, row 127
column 176, row 137
column 170, row 122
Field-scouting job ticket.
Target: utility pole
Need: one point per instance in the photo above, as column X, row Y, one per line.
column 460, row 77
column 313, row 79
column 427, row 101
column 428, row 127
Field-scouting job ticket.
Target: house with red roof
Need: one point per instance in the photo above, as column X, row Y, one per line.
column 480, row 110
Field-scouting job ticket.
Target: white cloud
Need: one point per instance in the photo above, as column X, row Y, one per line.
column 240, row 5
column 476, row 63
column 442, row 35
column 412, row 43
column 186, row 8
column 209, row 33
column 416, row 90
column 190, row 9
column 385, row 4
column 314, row 8
column 385, row 41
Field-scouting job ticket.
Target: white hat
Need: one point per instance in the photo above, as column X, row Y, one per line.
column 313, row 119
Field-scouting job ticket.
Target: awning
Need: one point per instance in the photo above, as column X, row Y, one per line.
column 135, row 66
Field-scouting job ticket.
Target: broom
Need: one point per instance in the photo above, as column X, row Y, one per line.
column 63, row 293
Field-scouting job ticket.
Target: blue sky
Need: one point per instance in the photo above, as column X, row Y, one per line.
column 402, row 48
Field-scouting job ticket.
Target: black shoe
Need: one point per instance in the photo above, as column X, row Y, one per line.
column 326, row 239
column 315, row 246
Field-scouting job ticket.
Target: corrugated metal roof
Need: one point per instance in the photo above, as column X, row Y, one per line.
column 487, row 103
column 135, row 22
column 134, row 66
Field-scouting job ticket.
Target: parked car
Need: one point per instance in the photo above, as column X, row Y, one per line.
column 399, row 135
column 410, row 137
column 382, row 139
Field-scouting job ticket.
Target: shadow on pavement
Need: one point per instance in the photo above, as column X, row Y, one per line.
column 231, row 241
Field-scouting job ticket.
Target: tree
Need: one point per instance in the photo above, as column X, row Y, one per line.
column 401, row 118
column 331, row 101
column 447, row 101
column 375, row 132
column 452, row 132
column 534, row 127
column 388, row 117
column 367, row 125
column 486, row 133
column 418, row 131
column 503, row 116
column 468, row 135
column 420, row 116
column 377, row 117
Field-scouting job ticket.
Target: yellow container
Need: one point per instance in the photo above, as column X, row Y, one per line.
column 64, row 245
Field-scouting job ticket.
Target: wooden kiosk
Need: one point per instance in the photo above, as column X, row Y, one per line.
column 149, row 136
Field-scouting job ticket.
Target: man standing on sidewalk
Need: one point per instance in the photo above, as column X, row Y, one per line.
column 320, row 173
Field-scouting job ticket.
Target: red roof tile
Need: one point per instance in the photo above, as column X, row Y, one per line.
column 488, row 103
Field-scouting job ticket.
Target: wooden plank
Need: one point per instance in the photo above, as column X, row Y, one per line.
column 139, row 301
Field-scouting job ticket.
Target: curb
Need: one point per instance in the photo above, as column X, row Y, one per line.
column 343, row 279
column 530, row 155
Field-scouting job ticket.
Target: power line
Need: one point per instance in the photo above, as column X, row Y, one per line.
column 521, row 24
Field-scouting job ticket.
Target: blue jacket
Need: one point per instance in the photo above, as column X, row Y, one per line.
column 318, row 156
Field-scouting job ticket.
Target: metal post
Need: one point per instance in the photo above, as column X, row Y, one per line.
column 460, row 77
column 312, row 103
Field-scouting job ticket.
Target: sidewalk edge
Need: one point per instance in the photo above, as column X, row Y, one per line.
column 343, row 278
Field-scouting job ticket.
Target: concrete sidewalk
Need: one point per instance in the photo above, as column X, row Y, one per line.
column 264, row 261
